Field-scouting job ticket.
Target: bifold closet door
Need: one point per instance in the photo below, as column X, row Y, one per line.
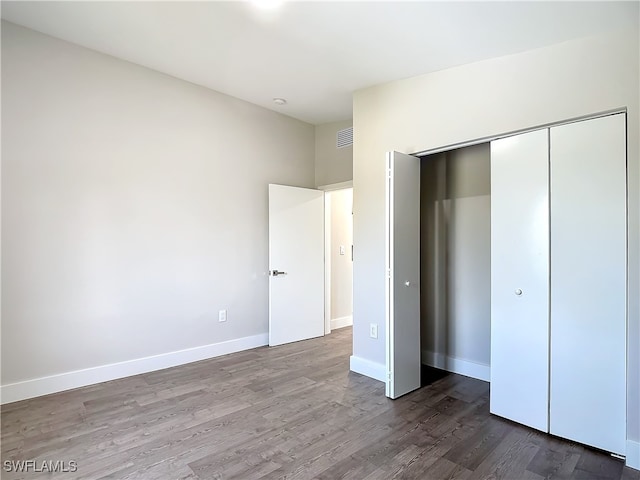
column 403, row 277
column 520, row 278
column 588, row 282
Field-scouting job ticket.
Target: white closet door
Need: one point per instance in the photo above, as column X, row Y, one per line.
column 588, row 282
column 520, row 278
column 403, row 277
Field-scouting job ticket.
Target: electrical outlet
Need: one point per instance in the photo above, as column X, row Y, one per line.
column 373, row 330
column 222, row 316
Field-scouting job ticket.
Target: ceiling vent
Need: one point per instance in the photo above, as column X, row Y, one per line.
column 344, row 138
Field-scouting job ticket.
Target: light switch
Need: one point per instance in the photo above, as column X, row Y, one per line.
column 373, row 330
column 342, row 250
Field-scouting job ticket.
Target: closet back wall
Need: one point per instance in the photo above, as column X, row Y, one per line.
column 456, row 260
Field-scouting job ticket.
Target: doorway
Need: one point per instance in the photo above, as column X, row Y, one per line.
column 310, row 261
column 438, row 265
column 455, row 260
column 339, row 258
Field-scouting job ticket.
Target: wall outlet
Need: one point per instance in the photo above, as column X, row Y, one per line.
column 222, row 316
column 373, row 330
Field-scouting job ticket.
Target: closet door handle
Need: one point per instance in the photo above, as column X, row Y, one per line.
column 518, row 292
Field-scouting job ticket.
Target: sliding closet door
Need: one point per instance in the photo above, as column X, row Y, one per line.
column 588, row 282
column 520, row 278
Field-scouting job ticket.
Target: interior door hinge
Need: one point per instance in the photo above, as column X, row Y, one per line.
column 389, row 376
column 388, row 273
column 389, row 173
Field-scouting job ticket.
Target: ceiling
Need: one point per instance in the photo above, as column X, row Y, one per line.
column 314, row 54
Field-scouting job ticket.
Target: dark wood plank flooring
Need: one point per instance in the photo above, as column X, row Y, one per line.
column 293, row 412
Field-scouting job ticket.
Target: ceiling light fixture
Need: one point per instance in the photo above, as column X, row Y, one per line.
column 279, row 101
column 267, row 4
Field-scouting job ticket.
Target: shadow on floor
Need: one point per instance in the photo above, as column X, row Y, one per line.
column 429, row 375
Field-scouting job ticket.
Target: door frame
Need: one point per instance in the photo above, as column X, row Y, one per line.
column 327, row 248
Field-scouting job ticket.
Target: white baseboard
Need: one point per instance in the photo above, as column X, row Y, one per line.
column 633, row 454
column 368, row 368
column 467, row 368
column 341, row 322
column 89, row 376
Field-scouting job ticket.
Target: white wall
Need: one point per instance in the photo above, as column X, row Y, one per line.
column 134, row 207
column 333, row 165
column 341, row 202
column 455, row 260
column 480, row 100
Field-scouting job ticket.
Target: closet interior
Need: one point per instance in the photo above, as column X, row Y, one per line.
column 455, row 266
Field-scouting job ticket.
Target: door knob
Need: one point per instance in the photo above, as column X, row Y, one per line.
column 407, row 283
column 518, row 291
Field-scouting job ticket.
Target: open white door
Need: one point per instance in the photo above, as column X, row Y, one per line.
column 403, row 274
column 296, row 264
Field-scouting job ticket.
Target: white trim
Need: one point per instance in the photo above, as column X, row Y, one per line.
column 341, row 322
column 336, row 186
column 490, row 138
column 388, row 291
column 367, row 367
column 633, row 454
column 327, row 263
column 103, row 373
column 467, row 368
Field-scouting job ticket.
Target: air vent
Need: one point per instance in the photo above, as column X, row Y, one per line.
column 344, row 138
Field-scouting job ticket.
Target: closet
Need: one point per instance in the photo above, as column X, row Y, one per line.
column 558, row 280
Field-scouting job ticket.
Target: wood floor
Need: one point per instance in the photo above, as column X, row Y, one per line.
column 292, row 412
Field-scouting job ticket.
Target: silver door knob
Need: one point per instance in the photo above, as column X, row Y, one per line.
column 518, row 291
column 407, row 283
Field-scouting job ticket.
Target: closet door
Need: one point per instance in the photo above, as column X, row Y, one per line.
column 403, row 274
column 588, row 282
column 520, row 278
